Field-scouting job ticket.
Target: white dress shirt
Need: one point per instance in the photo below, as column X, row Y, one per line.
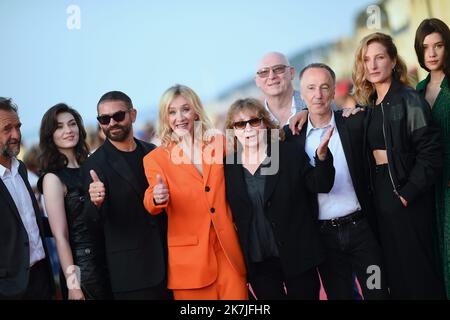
column 342, row 199
column 297, row 105
column 19, row 192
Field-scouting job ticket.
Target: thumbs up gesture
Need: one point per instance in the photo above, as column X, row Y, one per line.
column 160, row 191
column 96, row 190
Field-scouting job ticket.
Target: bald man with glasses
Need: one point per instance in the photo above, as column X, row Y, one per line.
column 274, row 77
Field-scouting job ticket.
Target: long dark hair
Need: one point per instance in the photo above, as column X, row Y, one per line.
column 50, row 158
column 429, row 26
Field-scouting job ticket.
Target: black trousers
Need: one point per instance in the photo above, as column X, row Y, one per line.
column 269, row 283
column 352, row 249
column 159, row 292
column 39, row 287
column 406, row 235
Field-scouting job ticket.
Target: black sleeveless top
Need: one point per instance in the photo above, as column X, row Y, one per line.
column 81, row 233
column 86, row 239
column 375, row 137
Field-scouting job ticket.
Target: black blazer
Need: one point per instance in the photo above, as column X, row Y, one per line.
column 134, row 239
column 351, row 133
column 14, row 243
column 287, row 207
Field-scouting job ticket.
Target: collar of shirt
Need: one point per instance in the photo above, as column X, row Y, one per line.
column 295, row 106
column 14, row 169
column 311, row 127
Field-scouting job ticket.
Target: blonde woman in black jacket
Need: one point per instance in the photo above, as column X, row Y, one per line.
column 405, row 159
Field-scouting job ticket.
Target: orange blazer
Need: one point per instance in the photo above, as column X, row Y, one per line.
column 195, row 205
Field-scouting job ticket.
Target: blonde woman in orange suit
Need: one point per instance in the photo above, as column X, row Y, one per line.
column 186, row 179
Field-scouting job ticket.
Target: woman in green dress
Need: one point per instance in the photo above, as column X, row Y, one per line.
column 432, row 46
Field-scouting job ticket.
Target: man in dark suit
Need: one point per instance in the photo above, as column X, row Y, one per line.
column 114, row 177
column 25, row 271
column 343, row 214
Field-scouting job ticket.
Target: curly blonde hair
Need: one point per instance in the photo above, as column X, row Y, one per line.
column 165, row 133
column 362, row 88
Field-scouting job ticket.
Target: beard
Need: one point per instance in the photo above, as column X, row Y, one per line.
column 8, row 151
column 120, row 135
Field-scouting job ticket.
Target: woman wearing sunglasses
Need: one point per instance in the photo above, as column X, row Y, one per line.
column 270, row 186
column 186, row 180
column 63, row 150
column 432, row 46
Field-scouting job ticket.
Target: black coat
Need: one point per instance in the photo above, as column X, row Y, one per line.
column 287, row 207
column 351, row 133
column 413, row 144
column 14, row 243
column 134, row 239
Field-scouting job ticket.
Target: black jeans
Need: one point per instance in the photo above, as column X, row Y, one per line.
column 269, row 283
column 352, row 249
column 406, row 235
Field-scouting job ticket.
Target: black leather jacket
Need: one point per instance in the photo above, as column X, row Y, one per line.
column 412, row 141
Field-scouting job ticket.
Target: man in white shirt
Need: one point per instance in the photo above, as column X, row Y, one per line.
column 351, row 247
column 274, row 77
column 24, row 268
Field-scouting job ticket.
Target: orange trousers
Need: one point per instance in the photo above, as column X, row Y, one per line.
column 229, row 285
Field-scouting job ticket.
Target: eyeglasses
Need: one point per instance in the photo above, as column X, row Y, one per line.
column 118, row 117
column 278, row 69
column 240, row 125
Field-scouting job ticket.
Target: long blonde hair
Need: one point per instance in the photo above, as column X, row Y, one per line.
column 166, row 134
column 362, row 88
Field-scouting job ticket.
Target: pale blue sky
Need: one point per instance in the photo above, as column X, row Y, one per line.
column 143, row 47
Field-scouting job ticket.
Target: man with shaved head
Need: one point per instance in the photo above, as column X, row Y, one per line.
column 274, row 77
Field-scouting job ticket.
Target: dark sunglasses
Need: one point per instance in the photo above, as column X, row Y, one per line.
column 278, row 69
column 118, row 117
column 255, row 122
